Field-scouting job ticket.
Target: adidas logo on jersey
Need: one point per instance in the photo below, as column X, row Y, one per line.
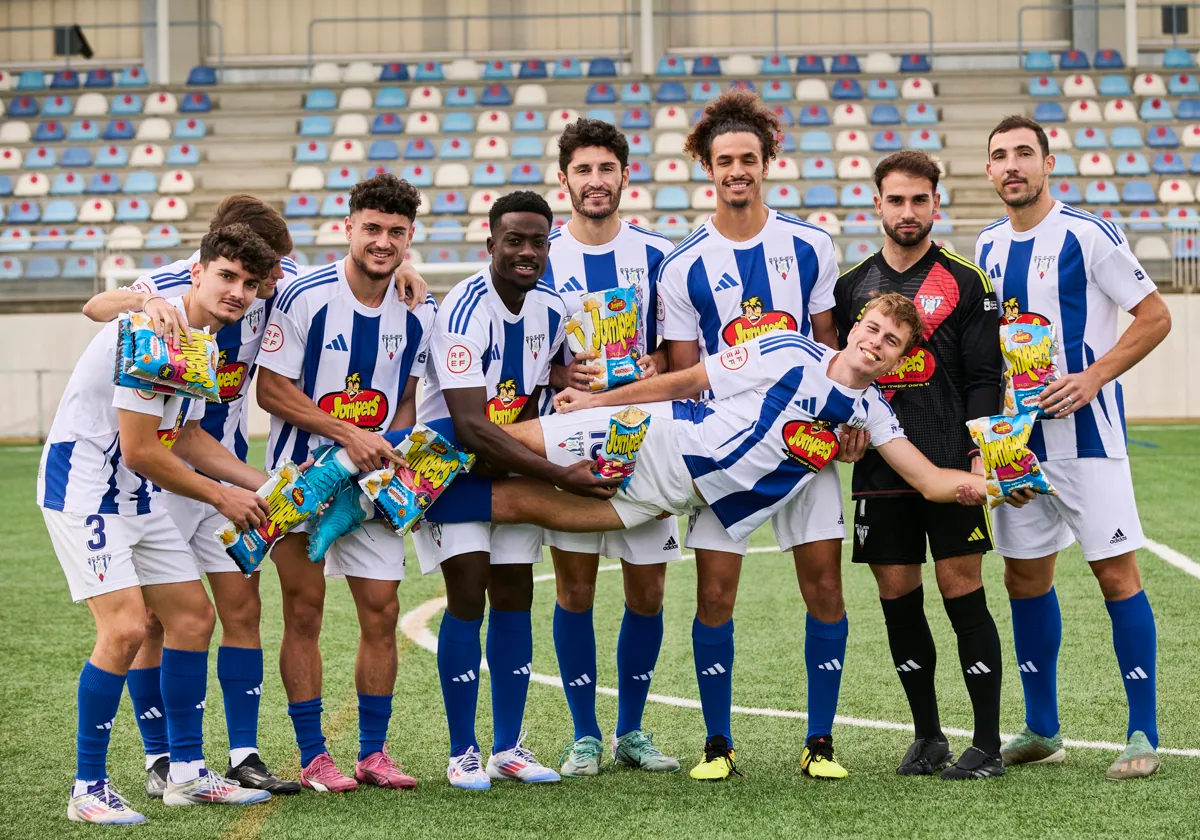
column 807, row 405
column 580, row 681
column 465, row 678
column 524, row 669
column 1137, row 674
column 1118, row 537
column 646, row 677
column 713, row 670
column 831, row 665
column 977, row 534
column 979, row 669
column 338, row 343
column 905, row 667
column 572, row 285
column 256, row 691
column 150, row 714
column 1028, row 667
column 671, row 544
column 726, row 282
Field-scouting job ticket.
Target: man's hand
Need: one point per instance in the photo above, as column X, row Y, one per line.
column 411, row 286
column 572, row 400
column 1069, row 393
column 244, row 508
column 367, row 450
column 581, row 371
column 852, row 444
column 167, row 320
column 580, row 480
column 648, row 367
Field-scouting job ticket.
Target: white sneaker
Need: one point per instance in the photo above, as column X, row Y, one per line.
column 210, row 788
column 466, row 771
column 102, row 804
column 519, row 765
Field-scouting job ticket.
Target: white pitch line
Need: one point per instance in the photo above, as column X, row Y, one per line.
column 415, row 625
column 1170, row 555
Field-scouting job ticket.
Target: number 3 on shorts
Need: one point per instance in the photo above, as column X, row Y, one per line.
column 98, row 540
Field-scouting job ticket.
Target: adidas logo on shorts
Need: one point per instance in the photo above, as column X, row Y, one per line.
column 671, row 544
column 1118, row 537
column 977, row 534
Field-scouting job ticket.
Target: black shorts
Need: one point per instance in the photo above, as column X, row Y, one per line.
column 892, row 530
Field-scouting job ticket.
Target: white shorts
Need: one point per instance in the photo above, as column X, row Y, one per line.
column 508, row 544
column 103, row 553
column 648, row 544
column 373, row 551
column 813, row 514
column 197, row 523
column 1094, row 505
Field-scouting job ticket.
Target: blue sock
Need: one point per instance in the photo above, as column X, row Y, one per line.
column 306, row 720
column 1136, row 642
column 509, row 655
column 712, row 648
column 458, row 657
column 184, row 688
column 145, row 690
column 98, row 698
column 374, row 713
column 240, row 672
column 637, row 654
column 824, row 653
column 575, row 647
column 1037, row 634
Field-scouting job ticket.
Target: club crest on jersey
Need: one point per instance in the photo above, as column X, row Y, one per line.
column 98, row 563
column 782, row 265
column 362, row 407
column 1042, row 264
column 929, row 303
column 230, row 376
column 254, row 318
column 810, row 443
column 391, row 344
column 754, row 322
column 535, row 342
column 633, row 276
column 503, row 408
column 917, row 368
column 1014, row 315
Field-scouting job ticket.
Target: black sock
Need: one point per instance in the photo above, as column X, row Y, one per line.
column 915, row 658
column 979, row 653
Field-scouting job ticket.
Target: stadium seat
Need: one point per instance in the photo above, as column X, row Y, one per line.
column 445, row 230
column 639, row 144
column 158, row 104
column 441, row 255
column 462, row 70
column 139, row 181
column 497, row 68
column 812, row 90
column 1038, row 61
column 176, row 182
column 844, row 64
column 560, row 119
column 704, row 198
column 568, row 68
column 354, row 125
column 98, row 77
column 355, row 99
column 336, row 205
column 601, row 93
column 787, row 143
column 1044, row 86
column 1175, row 191
column 103, row 183
column 550, row 176
column 859, row 222
column 43, row 157
column 1145, row 219
column 1151, row 248
column 15, row 239
column 782, row 113
column 50, row 131
column 458, row 122
column 1165, row 163
column 10, row 158
column 773, row 91
column 1183, row 84
column 886, row 141
column 525, row 174
column 447, row 203
column 428, row 71
column 1114, row 85
column 346, row 151
column 636, row 93
column 11, row 268
column 882, row 89
column 494, row 96
column 360, row 72
column 812, row 115
column 31, row 80
column 670, row 197
column 1064, row 166
column 42, row 268
column 59, row 211
column 306, row 179
column 783, row 169
column 1149, row 84
column 849, row 114
column 32, row 185
column 91, row 105
column 846, row 89
column 96, row 211
column 527, row 147
column 133, row 210
column 387, row 123
column 815, row 142
column 196, row 102
column 456, row 97
column 852, row 140
column 774, row 65
column 396, row 71
column 419, row 175
column 116, row 156
column 312, row 151
column 820, row 195
column 1187, row 109
column 1091, row 138
column 1120, row 111
column 1101, row 192
column 636, row 198
column 488, row 175
column 452, row 175
column 638, row 118
column 1066, row 191
column 810, row 65
column 706, row 65
column 920, row 113
column 826, row 221
column 452, row 148
column 1078, row 86
column 671, row 170
column 1082, row 111
column 741, row 65
column 57, row 106
column 529, row 120
column 669, row 143
column 169, row 209
column 532, row 68
column 817, row 168
column 1157, row 109
column 67, row 183
column 1138, row 192
column 1109, row 60
column 320, row 99
column 915, row 63
column 189, row 128
column 143, row 154
column 316, row 126
column 162, row 236
column 491, row 147
column 672, row 225
column 856, row 195
column 854, row 168
column 493, row 122
column 331, row 232
column 926, row 140
column 1096, row 164
column 325, row 71
column 704, row 91
column 22, row 106
column 1074, row 60
column 133, row 77
column 202, row 75
column 1134, row 163
column 786, row 196
column 667, row 117
column 1049, row 112
column 639, row 172
column 881, row 63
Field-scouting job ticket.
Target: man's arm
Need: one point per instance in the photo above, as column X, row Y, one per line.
column 206, row 454
column 141, row 297
column 934, row 483
column 824, row 329
column 676, row 385
column 406, row 410
column 410, row 285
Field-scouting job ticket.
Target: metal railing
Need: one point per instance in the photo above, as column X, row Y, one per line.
column 137, row 25
column 1096, row 9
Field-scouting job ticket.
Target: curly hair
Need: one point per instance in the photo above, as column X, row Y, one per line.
column 387, row 194
column 733, row 110
column 583, row 133
column 521, row 201
column 262, row 218
column 239, row 243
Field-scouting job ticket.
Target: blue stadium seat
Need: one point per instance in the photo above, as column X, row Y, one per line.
column 1161, row 137
column 1193, row 166
column 1045, row 86
column 672, row 197
column 1187, row 109
column 320, row 99
column 1182, row 218
column 23, row 212
column 884, row 115
column 526, row 147
column 133, row 210
column 140, row 181
column 705, row 91
column 886, row 141
column 316, row 125
column 598, row 67
column 1187, row 247
column 394, row 98
column 639, row 144
column 636, row 118
column 915, row 63
column 125, row 104
column 635, row 93
column 639, row 172
column 1090, row 138
column 920, row 113
column 15, row 239
column 456, row 97
column 79, row 268
column 488, row 175
column 706, row 65
column 1178, row 58
column 196, row 102
column 532, row 68
column 1149, row 220
column 10, row 267
column 103, row 183
column 22, row 106
column 568, row 68
column 1049, row 112
column 813, row 114
column 1166, row 163
column 818, row 168
column 787, row 143
column 387, row 123
column 66, row 79
column 497, row 95
column 1073, row 60
column 529, row 120
column 67, row 183
column 98, row 77
column 777, row 91
column 83, row 130
column 31, row 80
column 1134, row 163
column 784, row 115
column 418, row 148
column 1138, row 192
column 1126, row 137
column 859, row 223
column 341, row 178
column 42, row 268
column 191, row 128
column 335, row 206
column 497, row 68
column 300, row 206
column 428, row 71
column 1109, row 60
column 313, row 151
column 786, row 196
column 815, row 142
column 775, row 65
column 1064, row 165
column 112, row 156
column 453, row 148
column 857, row 195
column 43, row 157
column 162, row 236
column 59, row 211
column 1183, row 84
column 1066, row 191
column 808, row 65
column 441, row 255
column 418, row 174
column 844, row 64
column 134, row 76
column 302, row 233
column 671, row 65
column 458, row 122
column 820, row 195
column 1114, row 85
column 528, row 174
column 1101, row 192
column 1038, row 61
column 601, row 93
column 1160, row 109
column 882, row 89
column 6, row 186
column 743, row 84
column 50, row 131
column 671, row 92
column 602, row 114
column 846, row 89
column 183, row 154
column 396, row 71
column 57, row 106
column 202, row 75
column 449, row 202
column 925, row 139
column 698, row 173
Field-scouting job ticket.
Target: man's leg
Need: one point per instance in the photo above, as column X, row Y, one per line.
column 239, row 659
column 145, row 691
column 639, row 642
column 575, row 649
column 1037, row 636
column 460, row 652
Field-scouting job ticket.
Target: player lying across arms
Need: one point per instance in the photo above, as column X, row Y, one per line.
column 773, row 422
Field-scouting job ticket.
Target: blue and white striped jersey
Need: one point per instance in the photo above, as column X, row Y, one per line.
column 478, row 343
column 82, row 471
column 239, row 344
column 772, row 423
column 1073, row 270
column 724, row 293
column 352, row 360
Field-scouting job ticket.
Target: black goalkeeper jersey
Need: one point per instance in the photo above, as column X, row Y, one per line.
column 952, row 375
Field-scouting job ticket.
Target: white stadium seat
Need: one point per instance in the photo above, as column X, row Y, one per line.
column 146, row 154
column 1078, row 85
column 1120, row 110
column 96, row 211
column 422, row 122
column 1095, row 165
column 32, row 185
column 155, row 129
column 560, row 119
column 360, row 72
column 1189, row 135
column 306, row 179
column 812, row 90
column 332, row 232
column 1060, row 140
column 852, row 140
column 530, row 96
column 672, row 170
column 346, row 151
column 881, row 63
column 425, row 96
column 481, row 202
column 550, row 176
column 176, row 182
column 783, row 169
column 560, row 200
column 1084, row 111
column 849, row 114
column 492, row 147
column 10, row 158
column 325, row 71
column 668, row 143
column 916, row 88
column 1149, row 84
column 120, row 262
column 355, row 99
column 161, row 103
column 854, row 168
column 166, row 209
column 1176, row 192
column 741, row 66
column 1152, row 248
column 461, row 70
column 493, row 122
column 671, row 116
column 15, row 131
column 351, row 125
column 478, row 230
column 636, row 198
column 452, row 175
column 704, row 197
column 827, row 222
column 91, row 104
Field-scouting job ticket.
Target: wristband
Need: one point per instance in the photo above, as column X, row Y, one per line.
column 146, row 302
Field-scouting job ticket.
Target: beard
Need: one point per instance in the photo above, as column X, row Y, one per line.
column 372, row 274
column 744, row 200
column 581, row 207
column 907, row 238
column 1023, row 200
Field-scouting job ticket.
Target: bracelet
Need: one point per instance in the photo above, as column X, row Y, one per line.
column 146, row 302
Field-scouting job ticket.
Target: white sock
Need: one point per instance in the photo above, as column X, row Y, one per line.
column 240, row 754
column 186, row 771
column 81, row 786
column 151, row 759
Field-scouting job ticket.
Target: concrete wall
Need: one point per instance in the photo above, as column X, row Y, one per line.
column 1165, row 385
column 109, row 44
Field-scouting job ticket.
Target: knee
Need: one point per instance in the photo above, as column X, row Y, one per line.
column 240, row 620
column 302, row 614
column 1025, row 580
column 1117, row 583
column 153, row 630
column 644, row 593
column 576, row 595
column 191, row 629
column 123, row 637
column 511, row 588
column 378, row 620
column 715, row 602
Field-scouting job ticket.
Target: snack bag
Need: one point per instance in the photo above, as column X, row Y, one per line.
column 124, row 359
column 1030, row 350
column 626, row 432
column 189, row 368
column 1010, row 464
column 608, row 326
column 291, row 502
column 401, row 494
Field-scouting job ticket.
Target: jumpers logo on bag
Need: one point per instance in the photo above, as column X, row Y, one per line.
column 754, row 322
column 362, row 407
column 608, row 326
